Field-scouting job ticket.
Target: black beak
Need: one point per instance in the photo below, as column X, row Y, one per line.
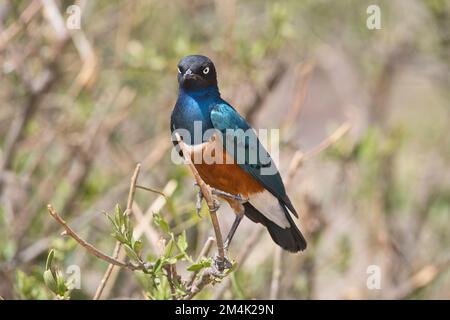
column 188, row 75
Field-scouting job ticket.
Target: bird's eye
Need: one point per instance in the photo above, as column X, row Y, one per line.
column 206, row 70
column 179, row 70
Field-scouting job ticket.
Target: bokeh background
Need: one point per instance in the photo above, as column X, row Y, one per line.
column 79, row 108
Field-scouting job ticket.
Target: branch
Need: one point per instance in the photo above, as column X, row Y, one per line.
column 89, row 247
column 276, row 273
column 151, row 190
column 207, row 277
column 299, row 157
column 118, row 247
column 207, row 194
column 203, row 253
column 243, row 254
column 262, row 95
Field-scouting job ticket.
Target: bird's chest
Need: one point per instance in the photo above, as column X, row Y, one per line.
column 192, row 116
column 219, row 169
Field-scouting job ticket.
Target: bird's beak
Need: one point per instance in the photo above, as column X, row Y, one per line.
column 188, row 74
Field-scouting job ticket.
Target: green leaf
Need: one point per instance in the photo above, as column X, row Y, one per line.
column 180, row 256
column 137, row 247
column 171, row 261
column 233, row 267
column 113, row 222
column 60, row 284
column 118, row 216
column 157, row 266
column 49, row 281
column 48, row 263
column 169, row 249
column 182, row 243
column 119, row 237
column 204, row 263
column 130, row 253
column 160, row 222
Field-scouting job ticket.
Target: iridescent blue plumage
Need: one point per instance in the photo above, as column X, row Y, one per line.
column 199, row 100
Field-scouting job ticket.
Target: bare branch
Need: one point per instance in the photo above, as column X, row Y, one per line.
column 151, row 190
column 118, row 247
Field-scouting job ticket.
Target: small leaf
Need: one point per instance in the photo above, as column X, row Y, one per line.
column 180, row 256
column 118, row 216
column 233, row 267
column 49, row 281
column 137, row 247
column 169, row 249
column 157, row 266
column 113, row 221
column 204, row 263
column 49, row 261
column 60, row 284
column 119, row 237
column 195, row 267
column 130, row 253
column 160, row 222
column 171, row 261
column 182, row 243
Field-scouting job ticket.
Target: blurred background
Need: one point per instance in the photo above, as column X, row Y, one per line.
column 364, row 119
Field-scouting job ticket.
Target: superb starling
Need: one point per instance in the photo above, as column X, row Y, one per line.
column 264, row 198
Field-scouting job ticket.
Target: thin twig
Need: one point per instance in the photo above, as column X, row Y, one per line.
column 206, row 278
column 207, row 194
column 276, row 274
column 203, row 253
column 296, row 162
column 118, row 247
column 89, row 247
column 151, row 190
column 241, row 257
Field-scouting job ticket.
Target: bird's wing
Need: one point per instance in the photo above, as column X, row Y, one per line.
column 241, row 142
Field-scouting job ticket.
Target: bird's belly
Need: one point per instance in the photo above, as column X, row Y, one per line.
column 217, row 168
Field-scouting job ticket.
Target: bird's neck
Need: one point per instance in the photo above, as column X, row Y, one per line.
column 207, row 93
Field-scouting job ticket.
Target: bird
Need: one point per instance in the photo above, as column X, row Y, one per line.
column 260, row 196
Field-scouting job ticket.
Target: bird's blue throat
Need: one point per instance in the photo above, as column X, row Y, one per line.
column 211, row 92
column 195, row 105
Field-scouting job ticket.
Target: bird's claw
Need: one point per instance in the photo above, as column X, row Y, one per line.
column 221, row 264
column 224, row 194
column 216, row 206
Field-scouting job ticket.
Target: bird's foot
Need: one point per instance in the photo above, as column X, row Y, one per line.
column 200, row 196
column 216, row 206
column 221, row 264
column 224, row 194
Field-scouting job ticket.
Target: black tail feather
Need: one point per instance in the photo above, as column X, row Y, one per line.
column 290, row 239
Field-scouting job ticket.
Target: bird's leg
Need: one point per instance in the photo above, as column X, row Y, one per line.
column 233, row 229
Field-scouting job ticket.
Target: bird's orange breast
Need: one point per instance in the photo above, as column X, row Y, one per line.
column 217, row 168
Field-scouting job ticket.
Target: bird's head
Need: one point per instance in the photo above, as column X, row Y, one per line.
column 196, row 72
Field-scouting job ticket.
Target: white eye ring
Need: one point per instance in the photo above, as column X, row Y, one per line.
column 206, row 70
column 179, row 70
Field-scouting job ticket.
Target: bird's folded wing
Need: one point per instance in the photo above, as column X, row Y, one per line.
column 241, row 142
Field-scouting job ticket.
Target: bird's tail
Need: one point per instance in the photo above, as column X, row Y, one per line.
column 290, row 239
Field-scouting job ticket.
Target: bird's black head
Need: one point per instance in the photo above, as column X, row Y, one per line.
column 196, row 72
